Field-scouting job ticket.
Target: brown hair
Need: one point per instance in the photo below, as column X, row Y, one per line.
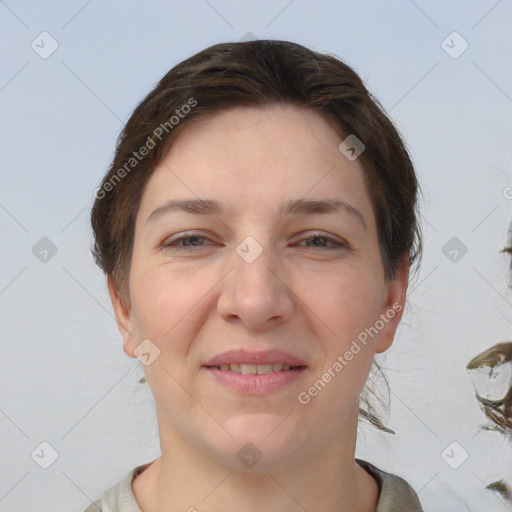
column 257, row 73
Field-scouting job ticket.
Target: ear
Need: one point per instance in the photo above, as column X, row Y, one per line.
column 393, row 304
column 123, row 318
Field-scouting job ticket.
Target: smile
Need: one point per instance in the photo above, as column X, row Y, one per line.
column 252, row 379
column 255, row 369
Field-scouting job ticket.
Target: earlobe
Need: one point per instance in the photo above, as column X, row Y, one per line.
column 393, row 306
column 124, row 317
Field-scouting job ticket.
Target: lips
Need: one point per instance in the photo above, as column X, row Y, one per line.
column 244, row 357
column 254, row 379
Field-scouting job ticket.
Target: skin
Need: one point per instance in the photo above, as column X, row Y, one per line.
column 309, row 300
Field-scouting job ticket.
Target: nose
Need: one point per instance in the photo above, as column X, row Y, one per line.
column 258, row 294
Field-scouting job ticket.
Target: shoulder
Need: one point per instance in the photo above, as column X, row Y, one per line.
column 119, row 498
column 94, row 507
column 395, row 493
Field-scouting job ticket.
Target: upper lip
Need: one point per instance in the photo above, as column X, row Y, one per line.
column 245, row 357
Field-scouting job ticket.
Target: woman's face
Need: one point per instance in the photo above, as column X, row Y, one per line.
column 255, row 276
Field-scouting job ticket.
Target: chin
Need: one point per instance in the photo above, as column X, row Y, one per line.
column 260, row 442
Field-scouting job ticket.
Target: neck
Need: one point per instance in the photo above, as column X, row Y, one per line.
column 326, row 479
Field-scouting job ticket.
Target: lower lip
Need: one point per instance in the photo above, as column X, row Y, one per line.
column 255, row 384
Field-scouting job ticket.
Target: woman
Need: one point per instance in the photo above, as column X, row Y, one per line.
column 257, row 227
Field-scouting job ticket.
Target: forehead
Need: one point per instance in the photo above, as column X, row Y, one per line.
column 245, row 156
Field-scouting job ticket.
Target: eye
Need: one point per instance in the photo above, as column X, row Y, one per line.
column 190, row 240
column 323, row 239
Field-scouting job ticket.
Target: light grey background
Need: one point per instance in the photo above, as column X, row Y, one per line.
column 64, row 377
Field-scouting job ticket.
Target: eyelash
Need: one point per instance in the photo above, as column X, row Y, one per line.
column 172, row 244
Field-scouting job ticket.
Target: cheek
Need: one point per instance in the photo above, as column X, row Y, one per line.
column 166, row 305
column 162, row 299
column 347, row 301
column 171, row 304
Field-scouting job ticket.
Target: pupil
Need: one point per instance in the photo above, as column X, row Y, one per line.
column 190, row 238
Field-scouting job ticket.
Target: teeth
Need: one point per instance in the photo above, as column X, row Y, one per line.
column 263, row 369
column 254, row 369
column 248, row 369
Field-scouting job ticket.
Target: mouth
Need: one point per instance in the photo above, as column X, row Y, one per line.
column 254, row 373
column 256, row 369
column 254, row 379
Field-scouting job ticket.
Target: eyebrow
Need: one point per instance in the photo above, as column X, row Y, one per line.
column 292, row 207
